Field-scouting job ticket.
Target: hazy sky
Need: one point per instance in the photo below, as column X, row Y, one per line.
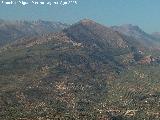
column 144, row 13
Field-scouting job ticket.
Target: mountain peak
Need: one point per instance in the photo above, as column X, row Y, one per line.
column 131, row 27
column 86, row 21
column 128, row 25
column 92, row 33
column 136, row 32
column 156, row 33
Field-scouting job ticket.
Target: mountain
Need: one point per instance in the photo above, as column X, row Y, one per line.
column 104, row 39
column 86, row 71
column 90, row 33
column 156, row 35
column 13, row 30
column 136, row 32
column 98, row 39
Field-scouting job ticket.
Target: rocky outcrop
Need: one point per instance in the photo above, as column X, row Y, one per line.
column 149, row 59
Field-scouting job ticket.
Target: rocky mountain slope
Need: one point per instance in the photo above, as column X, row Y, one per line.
column 99, row 39
column 87, row 71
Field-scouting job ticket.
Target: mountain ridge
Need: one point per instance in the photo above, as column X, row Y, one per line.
column 136, row 32
column 13, row 30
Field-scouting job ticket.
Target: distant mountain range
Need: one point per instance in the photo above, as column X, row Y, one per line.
column 13, row 30
column 134, row 31
column 156, row 35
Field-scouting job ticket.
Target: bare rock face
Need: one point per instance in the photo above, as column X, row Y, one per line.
column 149, row 59
column 146, row 60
